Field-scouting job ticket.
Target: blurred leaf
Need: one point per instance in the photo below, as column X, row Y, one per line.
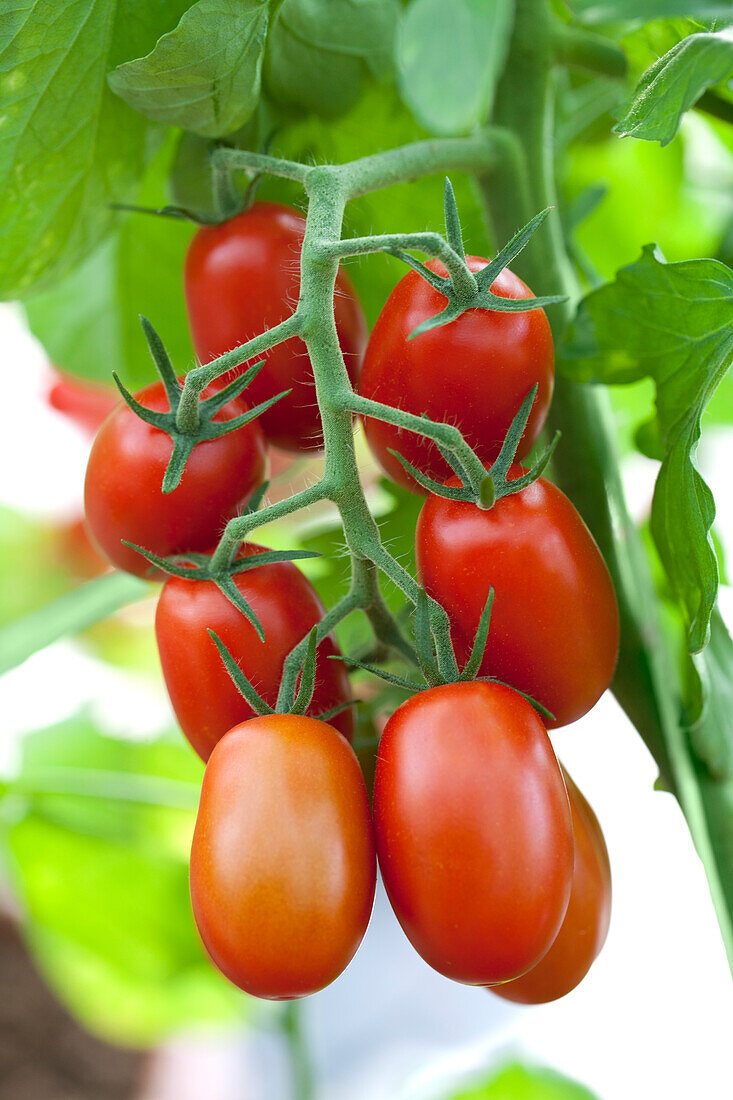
column 641, row 11
column 89, row 322
column 675, row 83
column 26, row 555
column 103, row 881
column 69, row 614
column 68, row 146
column 519, row 1082
column 449, row 59
column 203, row 76
column 320, row 51
column 710, row 702
column 671, row 322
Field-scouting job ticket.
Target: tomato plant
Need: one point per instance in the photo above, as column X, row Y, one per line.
column 123, row 496
column 242, row 277
column 282, row 863
column 585, row 925
column 535, row 587
column 473, row 830
column 205, row 700
column 555, row 625
column 474, row 371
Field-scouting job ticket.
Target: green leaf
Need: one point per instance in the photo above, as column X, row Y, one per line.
column 674, row 324
column 203, row 76
column 520, row 1082
column 449, row 59
column 642, row 11
column 675, row 83
column 97, row 850
column 320, row 51
column 68, row 146
column 69, row 614
column 89, row 322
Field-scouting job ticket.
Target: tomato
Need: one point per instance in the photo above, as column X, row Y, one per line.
column 86, row 403
column 554, row 624
column 473, row 830
column 123, row 496
column 204, row 698
column 241, row 278
column 585, row 927
column 282, row 863
column 474, row 372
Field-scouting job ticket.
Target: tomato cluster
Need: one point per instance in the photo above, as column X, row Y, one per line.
column 493, row 861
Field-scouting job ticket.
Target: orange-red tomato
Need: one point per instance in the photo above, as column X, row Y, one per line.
column 242, row 277
column 474, row 372
column 123, row 497
column 585, row 927
column 205, row 700
column 282, row 864
column 473, row 830
column 554, row 623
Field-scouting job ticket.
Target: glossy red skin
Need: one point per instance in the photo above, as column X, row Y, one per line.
column 205, row 700
column 242, row 277
column 554, row 623
column 85, row 403
column 585, row 927
column 474, row 372
column 283, row 866
column 473, row 830
column 123, row 498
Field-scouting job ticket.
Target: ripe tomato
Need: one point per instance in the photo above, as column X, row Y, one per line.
column 474, row 372
column 554, row 624
column 86, row 403
column 123, row 496
column 282, row 862
column 585, row 927
column 473, row 830
column 242, row 277
column 204, row 698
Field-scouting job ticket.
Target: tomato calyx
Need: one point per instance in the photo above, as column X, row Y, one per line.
column 496, row 483
column 426, row 656
column 299, row 700
column 185, row 436
column 200, row 567
column 465, row 289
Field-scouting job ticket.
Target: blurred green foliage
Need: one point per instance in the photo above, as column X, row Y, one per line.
column 521, row 1082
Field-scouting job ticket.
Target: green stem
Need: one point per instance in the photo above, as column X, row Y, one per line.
column 432, row 244
column 300, row 1067
column 582, row 49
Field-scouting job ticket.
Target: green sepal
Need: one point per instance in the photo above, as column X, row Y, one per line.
column 200, row 570
column 424, row 641
column 240, row 681
column 334, row 711
column 206, row 428
column 483, row 299
column 473, row 664
column 307, row 676
column 388, row 677
column 495, row 484
column 449, row 491
column 541, row 710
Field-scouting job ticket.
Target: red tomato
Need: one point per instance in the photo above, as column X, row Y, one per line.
column 241, row 278
column 473, row 830
column 585, row 927
column 474, row 372
column 282, row 862
column 554, row 624
column 86, row 403
column 204, row 698
column 123, row 496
